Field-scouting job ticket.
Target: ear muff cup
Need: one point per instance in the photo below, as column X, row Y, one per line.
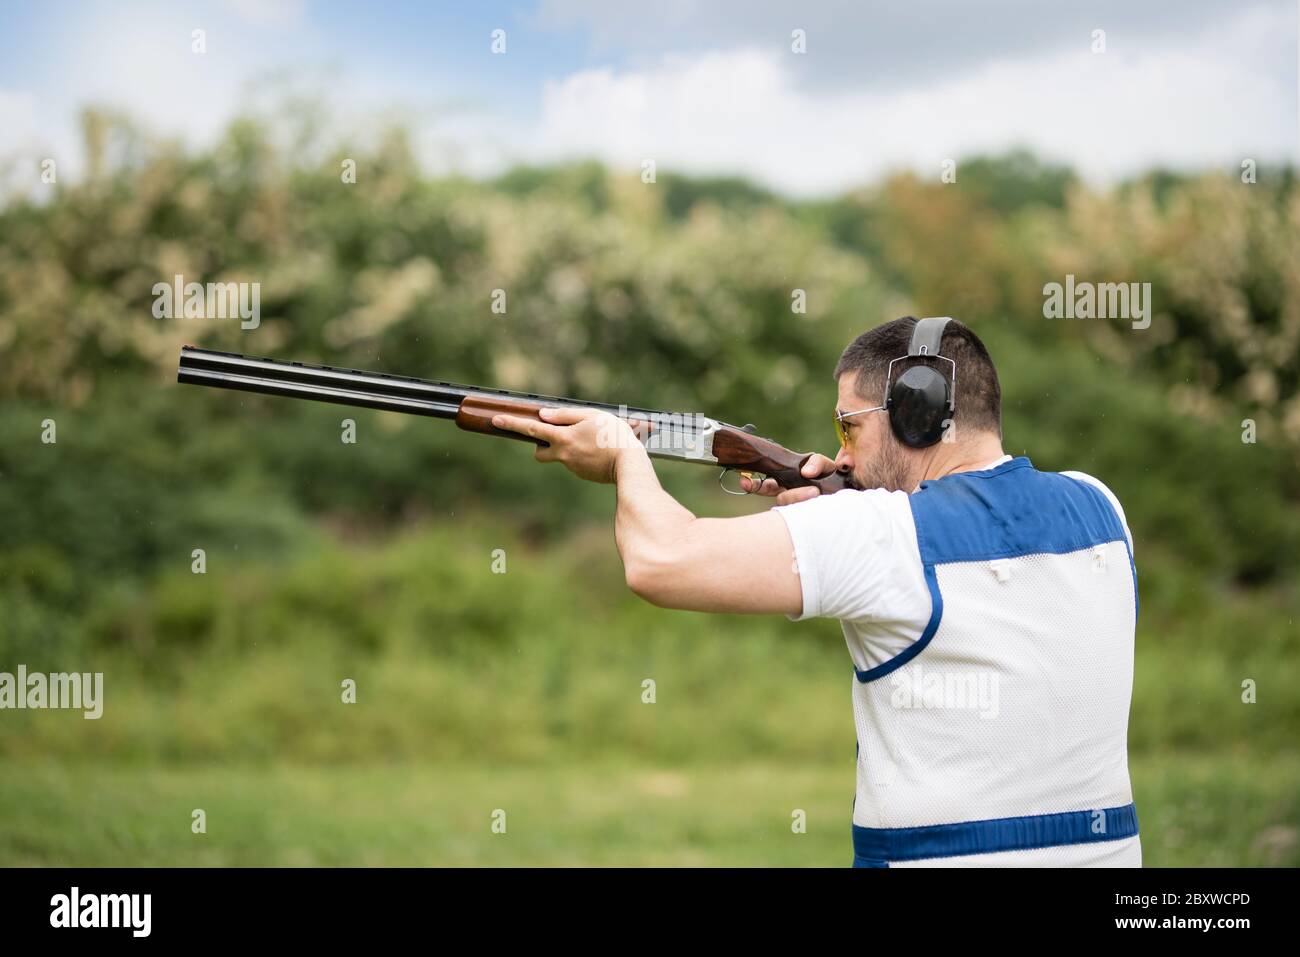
column 918, row 406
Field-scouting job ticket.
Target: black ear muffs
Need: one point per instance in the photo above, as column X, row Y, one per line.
column 918, row 406
column 921, row 399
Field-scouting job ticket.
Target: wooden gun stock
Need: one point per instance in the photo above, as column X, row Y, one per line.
column 739, row 450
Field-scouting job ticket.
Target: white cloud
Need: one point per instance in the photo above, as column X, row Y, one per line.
column 746, row 107
column 18, row 116
column 269, row 12
column 1212, row 100
column 145, row 65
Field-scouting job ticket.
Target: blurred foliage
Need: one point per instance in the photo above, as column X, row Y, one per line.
column 673, row 295
column 669, row 295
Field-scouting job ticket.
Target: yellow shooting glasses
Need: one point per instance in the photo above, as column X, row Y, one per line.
column 839, row 423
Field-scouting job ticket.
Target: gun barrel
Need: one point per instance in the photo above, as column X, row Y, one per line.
column 371, row 390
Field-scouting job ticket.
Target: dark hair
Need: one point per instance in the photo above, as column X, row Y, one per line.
column 979, row 397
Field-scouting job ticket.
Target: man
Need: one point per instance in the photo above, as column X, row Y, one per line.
column 989, row 608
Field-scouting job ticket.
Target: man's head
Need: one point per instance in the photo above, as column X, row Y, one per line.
column 876, row 456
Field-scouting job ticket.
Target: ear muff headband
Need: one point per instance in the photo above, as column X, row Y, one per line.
column 927, row 336
column 922, row 399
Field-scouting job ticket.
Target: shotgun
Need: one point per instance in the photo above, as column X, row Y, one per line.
column 684, row 437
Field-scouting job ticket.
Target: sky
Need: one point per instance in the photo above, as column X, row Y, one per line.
column 699, row 87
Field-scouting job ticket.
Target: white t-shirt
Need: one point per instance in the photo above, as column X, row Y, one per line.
column 859, row 561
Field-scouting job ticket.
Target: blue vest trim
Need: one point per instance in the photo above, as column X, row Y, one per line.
column 877, row 846
column 1133, row 565
column 1009, row 511
column 918, row 646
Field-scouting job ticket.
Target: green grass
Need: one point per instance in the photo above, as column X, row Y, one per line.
column 523, row 691
column 425, row 815
column 1194, row 811
column 1210, row 811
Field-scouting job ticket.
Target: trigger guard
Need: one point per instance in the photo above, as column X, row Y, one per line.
column 723, row 474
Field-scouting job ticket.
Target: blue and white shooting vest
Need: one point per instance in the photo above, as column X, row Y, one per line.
column 999, row 737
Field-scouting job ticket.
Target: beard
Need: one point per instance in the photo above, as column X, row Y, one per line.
column 889, row 470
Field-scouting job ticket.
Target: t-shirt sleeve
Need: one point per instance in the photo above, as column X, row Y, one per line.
column 856, row 554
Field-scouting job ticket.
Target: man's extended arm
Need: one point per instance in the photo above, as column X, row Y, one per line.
column 675, row 560
column 670, row 557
